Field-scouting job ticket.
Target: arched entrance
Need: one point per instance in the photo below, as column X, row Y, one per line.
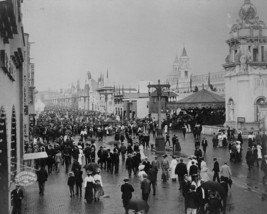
column 260, row 108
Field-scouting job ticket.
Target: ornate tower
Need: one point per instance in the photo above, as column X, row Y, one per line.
column 185, row 71
column 246, row 70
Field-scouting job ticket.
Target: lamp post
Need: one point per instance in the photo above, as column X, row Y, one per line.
column 159, row 89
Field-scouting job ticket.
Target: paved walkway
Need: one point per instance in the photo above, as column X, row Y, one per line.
column 246, row 195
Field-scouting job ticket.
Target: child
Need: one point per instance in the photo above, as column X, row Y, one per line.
column 98, row 190
column 71, row 182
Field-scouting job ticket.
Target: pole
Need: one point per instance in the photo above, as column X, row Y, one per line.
column 159, row 112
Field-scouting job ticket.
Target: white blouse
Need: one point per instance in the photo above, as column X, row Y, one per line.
column 88, row 179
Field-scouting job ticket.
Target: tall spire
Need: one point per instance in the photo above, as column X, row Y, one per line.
column 176, row 59
column 184, row 52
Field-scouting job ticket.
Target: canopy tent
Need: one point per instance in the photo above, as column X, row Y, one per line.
column 201, row 99
column 33, row 156
column 110, row 121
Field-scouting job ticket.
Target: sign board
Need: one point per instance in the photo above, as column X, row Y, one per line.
column 26, row 178
column 36, row 155
column 241, row 120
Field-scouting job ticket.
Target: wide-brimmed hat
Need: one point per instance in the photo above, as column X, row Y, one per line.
column 126, row 179
column 164, row 156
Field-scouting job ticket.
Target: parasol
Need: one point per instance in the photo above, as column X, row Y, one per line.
column 138, row 205
column 91, row 139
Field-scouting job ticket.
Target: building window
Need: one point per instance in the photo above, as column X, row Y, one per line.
column 186, row 74
column 255, row 54
column 262, row 53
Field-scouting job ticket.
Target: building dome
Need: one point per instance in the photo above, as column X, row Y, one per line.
column 247, row 12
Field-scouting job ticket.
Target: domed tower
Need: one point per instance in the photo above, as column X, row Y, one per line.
column 246, row 70
column 185, row 71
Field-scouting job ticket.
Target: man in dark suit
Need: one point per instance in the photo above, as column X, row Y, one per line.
column 127, row 190
column 181, row 170
column 204, row 145
column 147, row 165
column 16, row 197
column 100, row 155
column 87, row 153
column 42, row 178
column 216, row 170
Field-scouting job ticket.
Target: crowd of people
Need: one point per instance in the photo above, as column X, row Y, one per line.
column 72, row 138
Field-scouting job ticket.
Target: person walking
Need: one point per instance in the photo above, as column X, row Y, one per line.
column 129, row 164
column 123, row 151
column 78, row 181
column 127, row 190
column 87, row 153
column 71, row 183
column 204, row 145
column 42, row 176
column 181, row 170
column 191, row 200
column 17, row 197
column 152, row 176
column 216, row 170
column 145, row 187
column 173, row 167
column 249, row 158
column 165, row 169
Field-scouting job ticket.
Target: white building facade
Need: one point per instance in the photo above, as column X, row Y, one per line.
column 246, row 71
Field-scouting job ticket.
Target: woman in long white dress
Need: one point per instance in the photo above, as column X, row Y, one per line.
column 142, row 154
column 204, row 172
column 172, row 167
column 259, row 148
column 80, row 157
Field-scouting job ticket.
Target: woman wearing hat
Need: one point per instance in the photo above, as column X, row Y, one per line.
column 89, row 184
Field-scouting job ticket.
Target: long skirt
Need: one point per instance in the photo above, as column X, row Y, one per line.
column 89, row 192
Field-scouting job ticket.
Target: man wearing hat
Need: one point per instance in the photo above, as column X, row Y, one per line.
column 181, row 170
column 16, row 197
column 130, row 164
column 264, row 168
column 127, row 190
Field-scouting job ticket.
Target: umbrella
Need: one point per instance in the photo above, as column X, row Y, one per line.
column 138, row 205
column 214, row 186
column 115, row 142
column 91, row 167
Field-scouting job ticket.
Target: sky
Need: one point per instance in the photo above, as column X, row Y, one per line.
column 131, row 39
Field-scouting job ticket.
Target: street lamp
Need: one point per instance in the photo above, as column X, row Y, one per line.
column 159, row 89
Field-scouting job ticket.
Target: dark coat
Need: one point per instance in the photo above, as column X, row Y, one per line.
column 181, row 169
column 126, row 190
column 193, row 170
column 71, row 181
column 185, row 187
column 87, row 152
column 145, row 186
column 191, row 200
column 129, row 163
column 152, row 174
column 216, row 167
column 115, row 158
column 78, row 177
column 42, row 175
column 17, row 196
column 249, row 157
column 147, row 166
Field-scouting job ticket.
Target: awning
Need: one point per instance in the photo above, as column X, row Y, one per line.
column 36, row 155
